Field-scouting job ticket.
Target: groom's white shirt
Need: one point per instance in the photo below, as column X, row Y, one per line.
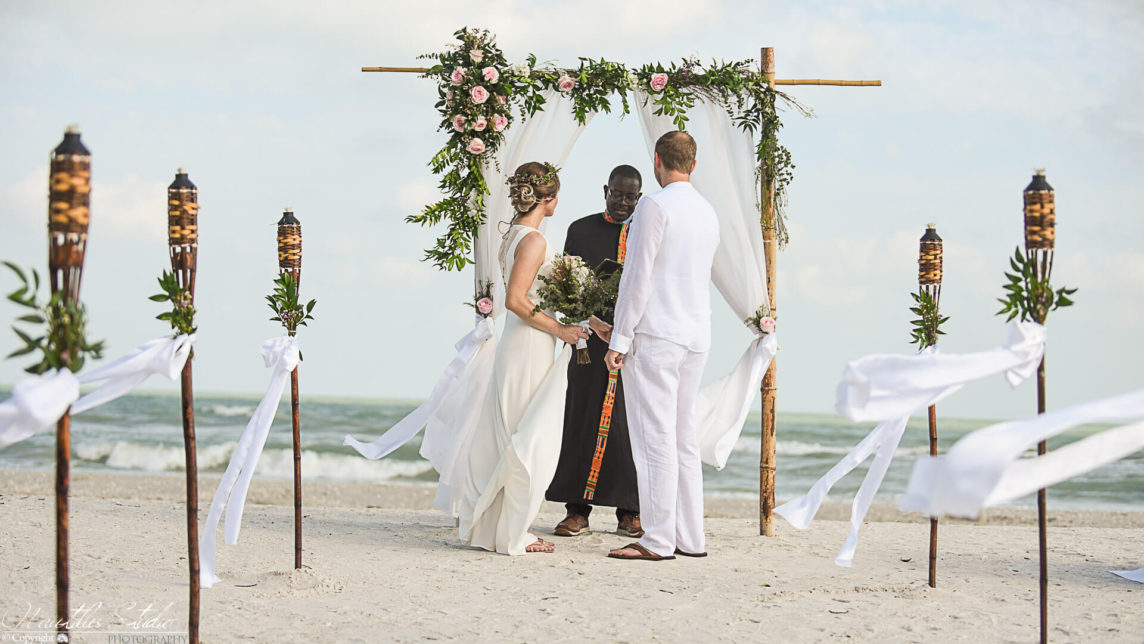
column 665, row 287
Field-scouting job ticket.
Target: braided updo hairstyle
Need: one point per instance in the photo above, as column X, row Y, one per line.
column 531, row 184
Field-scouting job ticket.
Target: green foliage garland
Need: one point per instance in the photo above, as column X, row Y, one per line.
column 182, row 313
column 1028, row 293
column 928, row 325
column 284, row 302
column 64, row 343
column 477, row 90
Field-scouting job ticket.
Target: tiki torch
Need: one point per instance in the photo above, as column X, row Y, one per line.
column 69, row 199
column 929, row 283
column 183, row 240
column 290, row 262
column 1040, row 234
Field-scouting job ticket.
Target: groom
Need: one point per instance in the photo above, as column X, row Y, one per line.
column 661, row 337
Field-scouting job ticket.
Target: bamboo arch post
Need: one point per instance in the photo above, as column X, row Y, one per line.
column 69, row 212
column 769, row 391
column 183, row 245
column 1040, row 240
column 290, row 261
column 929, row 282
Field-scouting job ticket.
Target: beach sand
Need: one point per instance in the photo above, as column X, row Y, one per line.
column 381, row 565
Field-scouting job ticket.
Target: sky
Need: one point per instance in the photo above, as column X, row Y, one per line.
column 264, row 103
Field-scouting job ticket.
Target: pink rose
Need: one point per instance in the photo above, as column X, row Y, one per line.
column 449, row 95
column 477, row 55
column 500, row 123
column 480, row 124
column 479, row 94
column 565, row 84
column 484, row 306
column 767, row 325
column 458, row 76
column 459, row 123
column 476, row 146
column 491, row 74
column 502, row 100
column 658, row 82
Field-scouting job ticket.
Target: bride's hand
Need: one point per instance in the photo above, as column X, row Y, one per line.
column 570, row 333
column 602, row 328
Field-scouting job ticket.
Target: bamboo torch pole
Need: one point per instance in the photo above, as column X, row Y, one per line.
column 929, row 282
column 290, row 261
column 183, row 242
column 69, row 201
column 1040, row 238
column 769, row 387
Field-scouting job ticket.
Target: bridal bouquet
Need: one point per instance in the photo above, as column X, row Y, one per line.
column 576, row 292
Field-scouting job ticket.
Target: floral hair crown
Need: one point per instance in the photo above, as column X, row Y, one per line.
column 516, row 181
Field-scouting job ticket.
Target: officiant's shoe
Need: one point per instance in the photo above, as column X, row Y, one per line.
column 629, row 525
column 573, row 525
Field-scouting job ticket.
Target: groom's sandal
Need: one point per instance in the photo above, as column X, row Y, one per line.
column 641, row 553
column 573, row 525
column 690, row 554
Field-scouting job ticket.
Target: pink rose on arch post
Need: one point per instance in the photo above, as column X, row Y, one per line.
column 501, row 100
column 477, row 55
column 484, row 306
column 767, row 325
column 658, row 82
column 480, row 124
column 449, row 95
column 479, row 94
column 476, row 146
column 491, row 74
column 499, row 123
column 565, row 84
column 459, row 123
column 458, row 76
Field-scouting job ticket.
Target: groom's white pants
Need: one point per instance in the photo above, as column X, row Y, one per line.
column 661, row 382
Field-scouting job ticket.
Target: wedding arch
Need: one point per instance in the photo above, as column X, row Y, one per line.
column 730, row 108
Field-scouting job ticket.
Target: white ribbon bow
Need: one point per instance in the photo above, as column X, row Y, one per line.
column 282, row 354
column 889, row 388
column 407, row 427
column 37, row 403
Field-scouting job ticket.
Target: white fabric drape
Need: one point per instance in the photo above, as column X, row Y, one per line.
column 889, row 388
column 451, row 412
column 985, row 468
column 725, row 176
column 1131, row 575
column 37, row 403
column 282, row 354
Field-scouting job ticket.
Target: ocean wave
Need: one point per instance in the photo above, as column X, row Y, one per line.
column 230, row 410
column 274, row 463
column 752, row 445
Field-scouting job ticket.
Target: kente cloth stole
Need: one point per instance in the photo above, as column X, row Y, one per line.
column 609, row 394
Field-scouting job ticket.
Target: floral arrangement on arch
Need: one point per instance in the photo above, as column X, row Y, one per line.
column 477, row 90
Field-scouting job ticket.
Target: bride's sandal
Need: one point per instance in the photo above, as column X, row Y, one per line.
column 540, row 545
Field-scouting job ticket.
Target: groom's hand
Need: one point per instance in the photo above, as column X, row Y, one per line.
column 614, row 360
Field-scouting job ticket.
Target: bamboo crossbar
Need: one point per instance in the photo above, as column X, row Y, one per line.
column 780, row 81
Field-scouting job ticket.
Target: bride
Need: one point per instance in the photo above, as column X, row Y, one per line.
column 517, row 440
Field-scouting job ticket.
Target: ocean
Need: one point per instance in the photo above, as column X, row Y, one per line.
column 142, row 433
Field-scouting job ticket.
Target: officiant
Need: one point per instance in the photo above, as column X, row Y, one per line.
column 595, row 466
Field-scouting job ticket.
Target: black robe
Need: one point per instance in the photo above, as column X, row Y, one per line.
column 594, row 239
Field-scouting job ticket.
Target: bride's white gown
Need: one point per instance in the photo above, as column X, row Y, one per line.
column 517, row 441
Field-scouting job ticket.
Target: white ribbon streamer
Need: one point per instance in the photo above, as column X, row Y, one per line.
column 35, row 405
column 1131, row 575
column 889, row 388
column 719, row 420
column 408, row 427
column 282, row 354
column 985, row 468
column 163, row 356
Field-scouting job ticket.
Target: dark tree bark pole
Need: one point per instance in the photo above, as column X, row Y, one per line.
column 769, row 391
column 290, row 261
column 63, row 466
column 1042, row 521
column 297, row 424
column 933, row 520
column 930, row 265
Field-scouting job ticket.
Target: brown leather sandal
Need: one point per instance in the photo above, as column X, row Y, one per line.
column 690, row 554
column 644, row 553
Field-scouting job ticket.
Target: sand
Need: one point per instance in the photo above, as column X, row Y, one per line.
column 381, row 565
